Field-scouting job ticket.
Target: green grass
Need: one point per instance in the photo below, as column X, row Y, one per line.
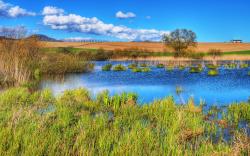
column 160, row 65
column 74, row 123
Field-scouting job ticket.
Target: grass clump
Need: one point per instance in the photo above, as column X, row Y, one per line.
column 213, row 72
column 145, row 70
column 107, row 67
column 143, row 65
column 132, row 66
column 249, row 73
column 119, row 67
column 211, row 66
column 195, row 69
column 160, row 65
column 181, row 67
column 244, row 65
column 169, row 68
column 136, row 70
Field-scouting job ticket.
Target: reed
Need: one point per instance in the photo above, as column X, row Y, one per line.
column 75, row 123
column 119, row 67
column 213, row 72
column 107, row 67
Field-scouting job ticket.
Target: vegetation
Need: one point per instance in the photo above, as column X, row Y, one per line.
column 143, row 65
column 136, row 70
column 211, row 66
column 244, row 65
column 195, row 69
column 169, row 68
column 215, row 53
column 119, row 67
column 213, row 72
column 107, row 67
column 132, row 66
column 160, row 65
column 180, row 40
column 76, row 124
column 146, row 69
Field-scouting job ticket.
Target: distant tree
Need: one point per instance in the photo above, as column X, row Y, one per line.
column 180, row 40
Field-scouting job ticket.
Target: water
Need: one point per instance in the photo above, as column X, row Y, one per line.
column 229, row 86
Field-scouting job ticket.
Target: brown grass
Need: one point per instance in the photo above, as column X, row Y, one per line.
column 155, row 47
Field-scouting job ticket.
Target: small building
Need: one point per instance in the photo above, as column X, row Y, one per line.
column 236, row 41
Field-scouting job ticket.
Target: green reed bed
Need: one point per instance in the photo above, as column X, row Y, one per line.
column 160, row 66
column 198, row 69
column 213, row 72
column 132, row 66
column 107, row 67
column 108, row 125
column 119, row 67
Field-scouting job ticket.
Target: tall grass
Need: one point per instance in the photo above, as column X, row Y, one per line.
column 106, row 125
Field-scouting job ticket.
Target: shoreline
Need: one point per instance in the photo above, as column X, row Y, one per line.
column 171, row 58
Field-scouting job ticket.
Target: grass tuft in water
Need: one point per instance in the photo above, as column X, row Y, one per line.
column 213, row 72
column 107, row 67
column 119, row 67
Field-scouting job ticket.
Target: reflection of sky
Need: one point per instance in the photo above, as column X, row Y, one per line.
column 229, row 86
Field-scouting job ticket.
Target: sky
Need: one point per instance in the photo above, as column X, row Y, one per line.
column 129, row 20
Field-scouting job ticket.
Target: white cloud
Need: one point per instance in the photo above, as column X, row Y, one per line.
column 76, row 23
column 8, row 10
column 148, row 17
column 50, row 10
column 122, row 15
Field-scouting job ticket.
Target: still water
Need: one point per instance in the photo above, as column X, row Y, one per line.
column 231, row 85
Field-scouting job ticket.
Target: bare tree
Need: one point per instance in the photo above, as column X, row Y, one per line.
column 180, row 40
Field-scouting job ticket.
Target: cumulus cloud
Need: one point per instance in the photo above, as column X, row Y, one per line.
column 50, row 10
column 9, row 10
column 76, row 23
column 127, row 15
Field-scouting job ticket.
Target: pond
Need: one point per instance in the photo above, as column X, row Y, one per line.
column 231, row 85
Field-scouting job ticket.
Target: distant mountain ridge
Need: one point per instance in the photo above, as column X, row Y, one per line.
column 44, row 38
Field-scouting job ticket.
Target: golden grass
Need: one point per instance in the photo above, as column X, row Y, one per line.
column 155, row 47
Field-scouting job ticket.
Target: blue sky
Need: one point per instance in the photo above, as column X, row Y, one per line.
column 212, row 20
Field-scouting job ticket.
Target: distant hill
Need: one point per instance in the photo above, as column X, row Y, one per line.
column 44, row 38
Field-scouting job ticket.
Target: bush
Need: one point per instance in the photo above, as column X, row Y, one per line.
column 132, row 66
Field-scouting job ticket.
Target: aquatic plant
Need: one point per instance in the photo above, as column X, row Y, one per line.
column 213, row 72
column 119, row 67
column 249, row 73
column 143, row 65
column 169, row 68
column 147, row 69
column 136, row 70
column 244, row 65
column 181, row 67
column 195, row 69
column 160, row 65
column 133, row 65
column 107, row 67
column 211, row 66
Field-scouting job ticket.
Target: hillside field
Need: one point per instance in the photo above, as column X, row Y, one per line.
column 153, row 47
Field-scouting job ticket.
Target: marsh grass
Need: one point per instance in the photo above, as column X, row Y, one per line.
column 119, row 67
column 107, row 67
column 213, row 72
column 196, row 69
column 108, row 125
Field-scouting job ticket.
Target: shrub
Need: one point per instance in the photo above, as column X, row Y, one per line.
column 136, row 70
